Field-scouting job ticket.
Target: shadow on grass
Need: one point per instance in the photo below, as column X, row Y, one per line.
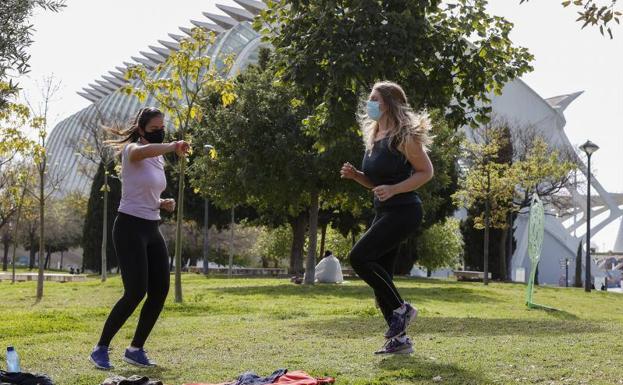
column 356, row 327
column 445, row 294
column 417, row 369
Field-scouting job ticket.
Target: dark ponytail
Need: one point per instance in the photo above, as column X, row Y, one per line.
column 131, row 134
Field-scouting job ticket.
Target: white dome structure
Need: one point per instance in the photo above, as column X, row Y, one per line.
column 235, row 36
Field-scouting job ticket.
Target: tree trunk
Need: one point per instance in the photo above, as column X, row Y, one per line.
column 429, row 273
column 310, row 266
column 41, row 230
column 48, row 257
column 178, row 233
column 323, row 237
column 62, row 255
column 578, row 267
column 509, row 245
column 502, row 251
column 104, row 267
column 32, row 251
column 298, row 225
column 6, row 241
column 486, row 245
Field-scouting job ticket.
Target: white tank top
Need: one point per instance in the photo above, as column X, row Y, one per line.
column 142, row 182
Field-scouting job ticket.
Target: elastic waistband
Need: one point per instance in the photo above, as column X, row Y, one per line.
column 137, row 219
column 399, row 206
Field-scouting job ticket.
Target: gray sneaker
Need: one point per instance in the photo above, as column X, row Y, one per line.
column 398, row 322
column 394, row 346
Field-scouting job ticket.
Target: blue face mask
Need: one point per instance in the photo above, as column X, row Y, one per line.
column 373, row 109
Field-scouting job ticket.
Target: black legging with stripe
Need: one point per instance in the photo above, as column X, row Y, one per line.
column 144, row 263
column 373, row 257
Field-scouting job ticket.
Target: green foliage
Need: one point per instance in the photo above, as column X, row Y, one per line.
column 93, row 222
column 338, row 244
column 595, row 13
column 64, row 222
column 264, row 159
column 487, row 177
column 335, row 50
column 273, row 246
column 441, row 245
column 15, row 38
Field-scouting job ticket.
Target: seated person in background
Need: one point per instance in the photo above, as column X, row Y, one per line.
column 329, row 269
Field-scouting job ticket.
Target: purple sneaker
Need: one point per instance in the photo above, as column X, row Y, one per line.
column 395, row 346
column 138, row 358
column 399, row 322
column 99, row 357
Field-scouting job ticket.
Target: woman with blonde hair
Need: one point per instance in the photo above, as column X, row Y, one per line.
column 139, row 245
column 395, row 164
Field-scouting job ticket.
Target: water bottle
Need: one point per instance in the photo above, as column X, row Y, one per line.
column 12, row 360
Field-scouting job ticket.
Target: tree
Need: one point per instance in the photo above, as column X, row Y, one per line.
column 501, row 178
column 333, row 51
column 488, row 181
column 51, row 181
column 15, row 38
column 94, row 149
column 264, row 157
column 594, row 13
column 190, row 75
column 64, row 222
column 273, row 246
column 441, row 245
column 93, row 228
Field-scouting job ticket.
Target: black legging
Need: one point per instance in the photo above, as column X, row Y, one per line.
column 373, row 257
column 144, row 263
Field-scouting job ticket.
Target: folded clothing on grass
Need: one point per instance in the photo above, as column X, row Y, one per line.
column 280, row 377
column 24, row 378
column 133, row 380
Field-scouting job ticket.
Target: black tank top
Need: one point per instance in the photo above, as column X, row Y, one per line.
column 385, row 165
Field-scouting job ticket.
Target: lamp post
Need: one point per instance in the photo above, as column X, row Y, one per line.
column 589, row 148
column 566, row 272
column 206, row 224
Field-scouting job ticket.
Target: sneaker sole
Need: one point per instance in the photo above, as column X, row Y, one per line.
column 408, row 350
column 135, row 363
column 99, row 366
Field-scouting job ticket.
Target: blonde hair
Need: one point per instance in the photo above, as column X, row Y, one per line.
column 408, row 126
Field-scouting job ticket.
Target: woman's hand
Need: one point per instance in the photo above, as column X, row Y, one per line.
column 167, row 204
column 348, row 171
column 384, row 192
column 182, row 148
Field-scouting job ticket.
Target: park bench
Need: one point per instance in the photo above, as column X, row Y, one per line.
column 466, row 275
column 53, row 277
column 243, row 271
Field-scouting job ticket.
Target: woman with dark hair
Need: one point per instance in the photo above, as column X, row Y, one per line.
column 140, row 247
column 395, row 164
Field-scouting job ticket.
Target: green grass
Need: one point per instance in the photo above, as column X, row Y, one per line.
column 466, row 333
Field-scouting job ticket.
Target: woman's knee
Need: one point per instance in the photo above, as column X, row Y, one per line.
column 135, row 296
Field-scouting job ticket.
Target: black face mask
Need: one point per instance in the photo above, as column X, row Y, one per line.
column 154, row 137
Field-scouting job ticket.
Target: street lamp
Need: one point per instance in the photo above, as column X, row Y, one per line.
column 589, row 148
column 566, row 272
column 206, row 250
